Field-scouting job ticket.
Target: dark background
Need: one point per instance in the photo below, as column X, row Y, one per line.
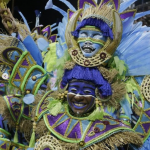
column 48, row 17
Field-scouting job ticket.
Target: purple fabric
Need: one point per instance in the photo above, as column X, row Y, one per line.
column 105, row 29
column 62, row 127
column 1, row 122
column 146, row 126
column 2, row 84
column 18, row 37
column 81, row 3
column 127, row 15
column 2, row 92
column 116, row 4
column 15, row 107
column 148, row 112
column 105, row 1
column 47, row 30
column 38, row 29
column 53, row 38
column 4, row 146
column 53, row 119
column 107, row 129
column 76, row 132
column 43, row 86
column 70, row 13
column 25, row 63
column 17, row 76
column 26, row 110
column 47, row 149
column 91, row 74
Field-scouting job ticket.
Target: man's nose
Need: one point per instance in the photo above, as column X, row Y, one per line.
column 78, row 97
column 88, row 42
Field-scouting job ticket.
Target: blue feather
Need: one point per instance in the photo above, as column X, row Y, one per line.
column 54, row 24
column 24, row 19
column 127, row 108
column 49, row 4
column 139, row 15
column 60, row 10
column 37, row 13
column 54, row 29
column 68, row 4
column 125, row 5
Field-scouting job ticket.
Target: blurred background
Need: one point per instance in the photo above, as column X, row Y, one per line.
column 48, row 17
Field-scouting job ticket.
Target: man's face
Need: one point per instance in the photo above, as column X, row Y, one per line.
column 91, row 42
column 81, row 96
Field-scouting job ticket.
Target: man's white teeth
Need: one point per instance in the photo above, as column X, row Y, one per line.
column 79, row 104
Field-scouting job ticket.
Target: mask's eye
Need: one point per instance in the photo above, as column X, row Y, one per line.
column 82, row 35
column 87, row 92
column 73, row 90
column 97, row 36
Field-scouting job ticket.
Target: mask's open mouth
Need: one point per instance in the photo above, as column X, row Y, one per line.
column 88, row 49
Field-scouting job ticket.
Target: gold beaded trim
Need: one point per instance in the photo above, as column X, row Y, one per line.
column 96, row 60
column 145, row 87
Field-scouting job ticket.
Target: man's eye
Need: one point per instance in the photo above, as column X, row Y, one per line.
column 87, row 92
column 73, row 90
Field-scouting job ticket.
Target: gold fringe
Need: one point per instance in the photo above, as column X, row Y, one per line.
column 69, row 146
column 104, row 13
column 4, row 111
column 41, row 129
column 119, row 91
column 109, row 75
column 69, row 65
column 38, row 97
column 118, row 87
column 22, row 29
column 119, row 140
column 5, row 41
column 110, row 143
column 25, row 126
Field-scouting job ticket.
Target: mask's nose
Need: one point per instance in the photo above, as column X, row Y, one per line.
column 88, row 43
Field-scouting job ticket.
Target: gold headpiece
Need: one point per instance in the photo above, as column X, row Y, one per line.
column 104, row 13
column 108, row 11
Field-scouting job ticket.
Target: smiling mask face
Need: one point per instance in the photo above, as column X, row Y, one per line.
column 81, row 96
column 91, row 41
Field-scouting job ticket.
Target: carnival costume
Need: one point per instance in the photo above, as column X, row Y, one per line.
column 98, row 104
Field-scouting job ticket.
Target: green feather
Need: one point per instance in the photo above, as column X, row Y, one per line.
column 32, row 140
column 16, row 137
column 55, row 106
column 96, row 115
